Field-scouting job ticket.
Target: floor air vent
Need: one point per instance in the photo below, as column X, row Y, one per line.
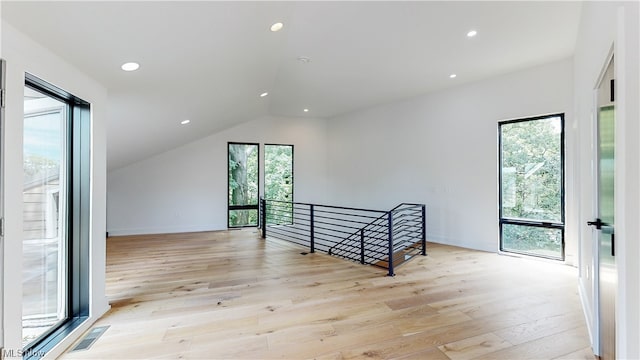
column 91, row 338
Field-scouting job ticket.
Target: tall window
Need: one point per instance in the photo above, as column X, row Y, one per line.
column 56, row 214
column 243, row 184
column 278, row 182
column 45, row 170
column 532, row 186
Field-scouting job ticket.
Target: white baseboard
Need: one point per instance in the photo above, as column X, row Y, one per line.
column 166, row 230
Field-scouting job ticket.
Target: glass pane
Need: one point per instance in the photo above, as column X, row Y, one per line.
column 243, row 217
column 278, row 174
column 45, row 209
column 532, row 240
column 607, row 159
column 243, row 174
column 532, row 170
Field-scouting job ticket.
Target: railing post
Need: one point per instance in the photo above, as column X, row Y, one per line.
column 263, row 220
column 424, row 230
column 311, row 230
column 390, row 230
column 361, row 246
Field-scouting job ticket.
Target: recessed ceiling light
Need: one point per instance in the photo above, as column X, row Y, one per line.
column 130, row 66
column 453, row 76
column 185, row 122
column 472, row 33
column 277, row 26
column 264, row 94
column 306, row 110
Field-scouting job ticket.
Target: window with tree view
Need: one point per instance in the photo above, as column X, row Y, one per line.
column 532, row 186
column 278, row 182
column 243, row 184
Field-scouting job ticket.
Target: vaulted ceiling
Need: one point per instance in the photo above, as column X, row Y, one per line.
column 210, row 61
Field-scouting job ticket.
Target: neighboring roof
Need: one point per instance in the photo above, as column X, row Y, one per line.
column 41, row 179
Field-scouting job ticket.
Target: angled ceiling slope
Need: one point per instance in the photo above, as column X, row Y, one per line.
column 209, row 61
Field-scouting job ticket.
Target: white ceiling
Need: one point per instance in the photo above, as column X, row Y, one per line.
column 209, row 61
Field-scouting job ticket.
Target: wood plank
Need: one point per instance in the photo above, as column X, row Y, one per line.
column 474, row 347
column 545, row 348
column 232, row 295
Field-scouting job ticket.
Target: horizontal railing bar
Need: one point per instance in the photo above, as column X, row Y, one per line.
column 287, row 234
column 339, row 230
column 279, row 217
column 356, row 254
column 411, row 220
column 409, row 223
column 405, row 231
column 333, row 227
column 291, row 230
column 328, row 221
column 408, row 239
column 280, row 213
column 316, row 206
column 409, row 228
column 338, row 221
column 285, row 211
column 372, row 248
column 416, row 215
column 411, row 212
column 319, row 235
column 346, row 215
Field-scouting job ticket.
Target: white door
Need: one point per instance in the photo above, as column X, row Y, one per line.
column 604, row 222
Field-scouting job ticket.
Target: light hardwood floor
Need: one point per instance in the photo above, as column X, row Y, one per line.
column 231, row 295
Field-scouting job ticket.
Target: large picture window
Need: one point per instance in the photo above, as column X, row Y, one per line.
column 278, row 182
column 532, row 186
column 55, row 255
column 45, row 214
column 243, row 168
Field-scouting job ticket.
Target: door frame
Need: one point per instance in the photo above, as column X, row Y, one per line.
column 594, row 233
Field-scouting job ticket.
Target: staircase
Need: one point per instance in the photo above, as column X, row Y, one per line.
column 385, row 239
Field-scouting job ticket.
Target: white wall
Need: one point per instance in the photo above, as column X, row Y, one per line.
column 24, row 55
column 185, row 189
column 441, row 149
column 607, row 25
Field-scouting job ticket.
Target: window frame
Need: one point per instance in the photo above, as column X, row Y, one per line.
column 292, row 177
column 243, row 207
column 78, row 219
column 547, row 224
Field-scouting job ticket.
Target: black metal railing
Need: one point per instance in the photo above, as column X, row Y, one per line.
column 375, row 237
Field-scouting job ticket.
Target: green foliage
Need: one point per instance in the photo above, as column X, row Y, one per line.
column 278, row 172
column 531, row 169
column 534, row 240
column 278, row 175
column 243, row 183
column 532, row 182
